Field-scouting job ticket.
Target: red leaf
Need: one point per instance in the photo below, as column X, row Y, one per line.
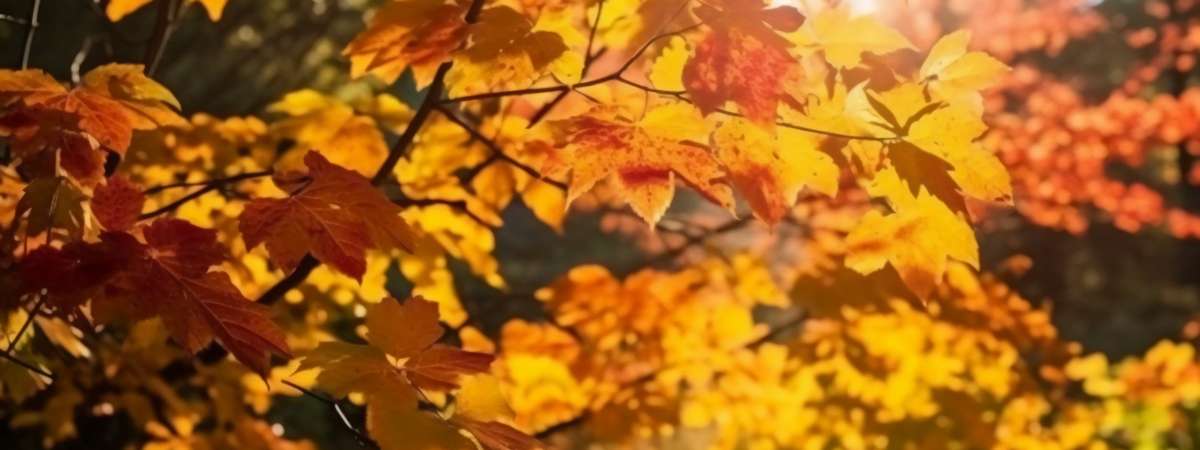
column 498, row 436
column 742, row 60
column 117, row 204
column 439, row 367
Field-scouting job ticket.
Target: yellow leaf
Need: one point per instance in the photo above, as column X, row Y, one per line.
column 144, row 97
column 482, row 399
column 118, row 9
column 769, row 171
column 667, row 72
column 844, row 38
column 505, row 52
column 916, row 240
column 957, row 75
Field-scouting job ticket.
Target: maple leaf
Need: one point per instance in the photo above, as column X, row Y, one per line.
column 402, row 356
column 844, row 39
column 642, row 158
column 742, row 59
column 44, row 119
column 953, row 73
column 937, row 149
column 117, row 204
column 916, row 241
column 505, row 50
column 51, row 203
column 337, row 216
column 416, row 34
column 168, row 275
column 770, row 171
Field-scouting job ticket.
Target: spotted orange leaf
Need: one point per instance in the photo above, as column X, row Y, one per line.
column 642, row 158
column 741, row 58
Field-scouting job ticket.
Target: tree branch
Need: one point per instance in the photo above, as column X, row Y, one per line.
column 362, row 438
column 432, row 98
column 209, row 186
column 495, row 148
column 163, row 25
column 31, row 27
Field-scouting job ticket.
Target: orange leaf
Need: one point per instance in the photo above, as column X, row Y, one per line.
column 439, row 367
column 336, row 217
column 416, row 34
column 642, row 158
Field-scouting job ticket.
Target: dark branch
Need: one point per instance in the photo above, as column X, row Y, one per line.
column 215, row 181
column 495, row 148
column 163, row 25
column 362, row 438
column 209, row 186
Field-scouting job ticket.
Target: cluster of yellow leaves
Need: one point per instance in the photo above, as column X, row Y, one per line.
column 614, row 347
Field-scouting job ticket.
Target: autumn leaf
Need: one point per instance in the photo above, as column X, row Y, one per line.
column 771, row 171
column 844, row 38
column 52, row 203
column 416, row 34
column 955, row 73
column 742, row 59
column 642, row 158
column 168, row 275
column 331, row 127
column 916, row 240
column 336, row 216
column 117, row 204
column 44, row 119
column 505, row 50
column 401, row 357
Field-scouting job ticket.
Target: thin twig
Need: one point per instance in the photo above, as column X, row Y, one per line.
column 209, row 186
column 217, row 181
column 362, row 438
column 163, row 26
column 495, row 148
column 30, row 28
column 12, row 19
column 27, row 366
column 587, row 56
